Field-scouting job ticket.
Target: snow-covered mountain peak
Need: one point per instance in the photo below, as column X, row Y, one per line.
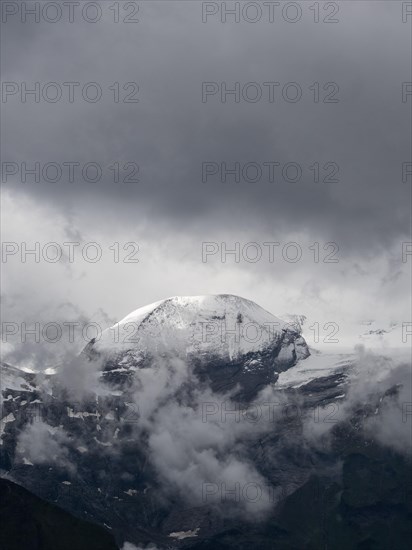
column 221, row 324
column 192, row 308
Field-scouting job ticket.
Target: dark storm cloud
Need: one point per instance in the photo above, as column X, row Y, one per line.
column 170, row 132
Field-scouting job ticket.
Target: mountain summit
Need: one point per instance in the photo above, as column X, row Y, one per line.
column 222, row 324
column 225, row 339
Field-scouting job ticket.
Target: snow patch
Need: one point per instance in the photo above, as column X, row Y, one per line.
column 180, row 535
column 102, row 443
column 131, row 492
column 5, row 420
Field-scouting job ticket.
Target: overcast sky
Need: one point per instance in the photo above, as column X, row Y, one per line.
column 328, row 108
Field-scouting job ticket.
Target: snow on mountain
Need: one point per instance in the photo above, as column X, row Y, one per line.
column 223, row 324
column 16, row 379
column 318, row 365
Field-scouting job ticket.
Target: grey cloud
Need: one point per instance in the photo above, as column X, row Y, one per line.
column 171, row 132
column 42, row 444
column 79, row 376
column 188, row 452
column 389, row 424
